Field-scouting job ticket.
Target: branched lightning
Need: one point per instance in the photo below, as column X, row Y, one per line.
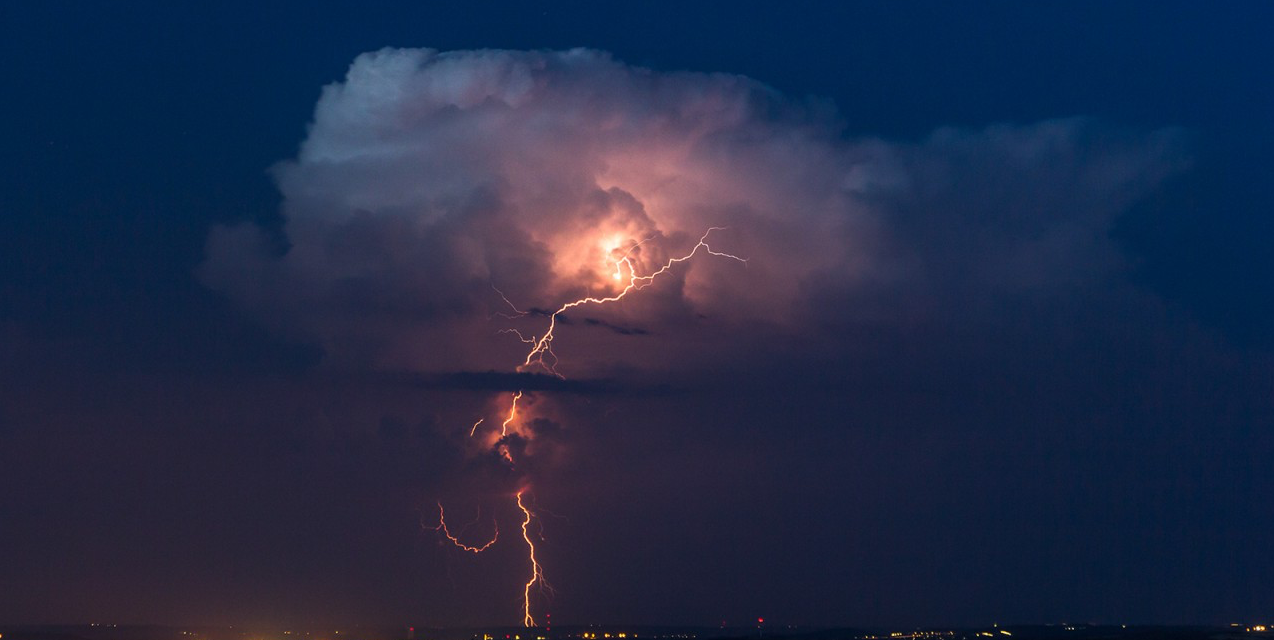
column 537, row 575
column 544, row 345
column 541, row 356
column 442, row 527
column 517, row 313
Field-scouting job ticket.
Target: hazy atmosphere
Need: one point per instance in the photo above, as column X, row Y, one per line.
column 902, row 313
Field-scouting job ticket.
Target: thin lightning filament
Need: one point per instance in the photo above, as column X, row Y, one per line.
column 442, row 526
column 544, row 345
column 542, row 348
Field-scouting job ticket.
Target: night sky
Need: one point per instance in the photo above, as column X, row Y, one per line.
column 1000, row 352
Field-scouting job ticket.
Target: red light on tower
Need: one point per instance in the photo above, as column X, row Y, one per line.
column 760, row 620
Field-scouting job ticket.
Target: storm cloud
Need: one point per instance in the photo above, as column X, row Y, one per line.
column 432, row 184
column 977, row 341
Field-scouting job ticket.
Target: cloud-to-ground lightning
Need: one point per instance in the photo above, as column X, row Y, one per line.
column 542, row 347
column 536, row 574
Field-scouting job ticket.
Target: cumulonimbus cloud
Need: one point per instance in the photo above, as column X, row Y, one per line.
column 432, row 186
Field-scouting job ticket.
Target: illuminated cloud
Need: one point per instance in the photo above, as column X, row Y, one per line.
column 432, row 183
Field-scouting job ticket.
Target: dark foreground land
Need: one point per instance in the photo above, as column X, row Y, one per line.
column 1061, row 631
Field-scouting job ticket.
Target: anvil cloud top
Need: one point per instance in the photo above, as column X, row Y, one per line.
column 427, row 179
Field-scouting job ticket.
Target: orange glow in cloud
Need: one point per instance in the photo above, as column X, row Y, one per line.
column 544, row 345
column 610, row 254
column 513, row 413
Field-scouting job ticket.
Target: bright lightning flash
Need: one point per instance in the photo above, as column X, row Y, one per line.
column 537, row 575
column 513, row 413
column 544, row 345
column 535, row 358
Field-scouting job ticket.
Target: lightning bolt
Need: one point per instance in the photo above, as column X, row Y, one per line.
column 544, row 345
column 504, row 426
column 517, row 313
column 513, row 413
column 542, row 348
column 537, row 575
column 442, row 527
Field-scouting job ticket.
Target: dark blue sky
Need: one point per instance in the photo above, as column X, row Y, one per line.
column 1099, row 453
